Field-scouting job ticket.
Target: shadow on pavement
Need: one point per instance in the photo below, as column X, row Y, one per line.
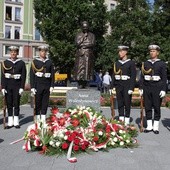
column 26, row 120
column 166, row 123
column 1, row 140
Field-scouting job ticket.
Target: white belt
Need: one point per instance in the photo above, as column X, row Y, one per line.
column 40, row 74
column 14, row 76
column 121, row 77
column 152, row 78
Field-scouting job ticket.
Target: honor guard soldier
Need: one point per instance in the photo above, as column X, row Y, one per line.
column 124, row 78
column 13, row 81
column 42, row 82
column 153, row 87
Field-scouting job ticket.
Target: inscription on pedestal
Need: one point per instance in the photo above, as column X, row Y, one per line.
column 83, row 97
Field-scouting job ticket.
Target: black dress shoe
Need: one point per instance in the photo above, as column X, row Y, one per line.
column 156, row 131
column 147, row 131
column 17, row 126
column 8, row 127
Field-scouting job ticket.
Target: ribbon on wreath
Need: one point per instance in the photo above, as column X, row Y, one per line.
column 69, row 158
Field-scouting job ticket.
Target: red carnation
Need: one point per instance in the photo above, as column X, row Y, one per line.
column 75, row 122
column 108, row 129
column 54, row 110
column 86, row 143
column 61, row 121
column 83, row 147
column 64, row 145
column 75, row 147
column 96, row 138
column 76, row 141
column 67, row 133
column 115, row 127
column 70, row 138
column 66, row 114
column 53, row 118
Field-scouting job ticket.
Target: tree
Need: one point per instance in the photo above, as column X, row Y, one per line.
column 130, row 25
column 161, row 27
column 58, row 22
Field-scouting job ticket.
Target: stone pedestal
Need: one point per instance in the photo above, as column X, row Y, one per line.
column 83, row 97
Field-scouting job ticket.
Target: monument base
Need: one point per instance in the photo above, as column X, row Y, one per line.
column 83, row 97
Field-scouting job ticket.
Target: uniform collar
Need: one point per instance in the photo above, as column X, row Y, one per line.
column 153, row 61
column 40, row 59
column 124, row 61
column 14, row 61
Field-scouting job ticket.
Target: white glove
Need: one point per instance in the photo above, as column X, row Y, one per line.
column 51, row 89
column 140, row 92
column 20, row 91
column 3, row 92
column 162, row 94
column 130, row 92
column 33, row 90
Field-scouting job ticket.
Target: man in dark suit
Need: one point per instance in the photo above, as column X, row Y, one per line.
column 13, row 81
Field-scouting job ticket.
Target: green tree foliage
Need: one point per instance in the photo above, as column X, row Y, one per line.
column 58, row 22
column 131, row 26
column 161, row 27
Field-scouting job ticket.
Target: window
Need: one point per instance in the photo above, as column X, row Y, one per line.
column 17, row 33
column 7, row 31
column 35, row 52
column 17, row 14
column 7, row 51
column 13, row 13
column 8, row 13
column 37, row 34
column 12, row 32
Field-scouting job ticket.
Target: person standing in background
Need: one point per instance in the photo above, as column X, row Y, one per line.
column 106, row 82
column 153, row 88
column 13, row 82
column 42, row 82
column 124, row 79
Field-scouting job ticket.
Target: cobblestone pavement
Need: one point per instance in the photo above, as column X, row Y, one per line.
column 153, row 152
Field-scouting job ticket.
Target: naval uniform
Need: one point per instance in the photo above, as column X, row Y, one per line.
column 153, row 81
column 41, row 79
column 12, row 79
column 124, row 78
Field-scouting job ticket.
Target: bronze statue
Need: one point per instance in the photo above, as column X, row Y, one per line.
column 85, row 42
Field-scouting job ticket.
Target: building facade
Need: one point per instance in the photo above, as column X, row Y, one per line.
column 17, row 27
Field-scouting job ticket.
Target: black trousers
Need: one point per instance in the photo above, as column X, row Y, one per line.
column 13, row 100
column 124, row 100
column 42, row 99
column 152, row 100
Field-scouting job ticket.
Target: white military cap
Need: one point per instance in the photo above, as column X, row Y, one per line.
column 13, row 48
column 154, row 47
column 43, row 47
column 123, row 47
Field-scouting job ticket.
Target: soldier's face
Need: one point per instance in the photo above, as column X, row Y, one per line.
column 154, row 54
column 13, row 54
column 122, row 53
column 43, row 53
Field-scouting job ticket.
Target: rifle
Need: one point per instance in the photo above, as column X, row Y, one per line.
column 33, row 106
column 4, row 111
column 112, row 106
column 141, row 114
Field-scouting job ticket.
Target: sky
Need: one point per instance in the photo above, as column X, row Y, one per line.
column 151, row 1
